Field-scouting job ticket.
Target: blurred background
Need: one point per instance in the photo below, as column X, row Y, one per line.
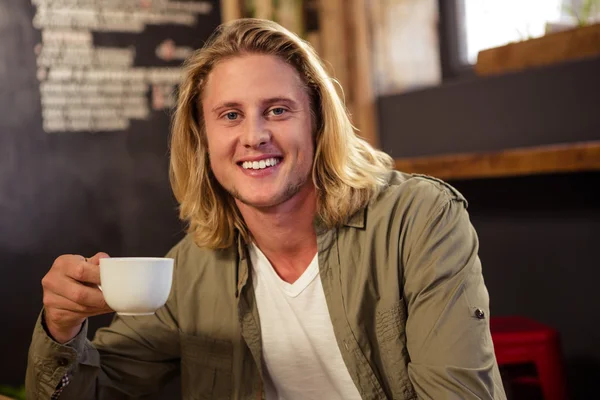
column 501, row 98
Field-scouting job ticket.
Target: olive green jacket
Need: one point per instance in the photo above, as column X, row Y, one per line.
column 403, row 285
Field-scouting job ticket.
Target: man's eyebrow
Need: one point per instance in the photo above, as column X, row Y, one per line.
column 280, row 99
column 265, row 103
column 228, row 104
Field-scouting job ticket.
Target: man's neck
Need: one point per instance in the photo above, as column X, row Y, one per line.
column 285, row 233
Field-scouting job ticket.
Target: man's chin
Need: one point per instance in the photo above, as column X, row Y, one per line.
column 259, row 201
column 265, row 201
column 269, row 199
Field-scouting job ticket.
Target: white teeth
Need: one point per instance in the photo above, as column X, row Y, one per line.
column 262, row 164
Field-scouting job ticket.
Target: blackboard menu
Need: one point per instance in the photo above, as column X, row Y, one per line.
column 86, row 92
column 98, row 61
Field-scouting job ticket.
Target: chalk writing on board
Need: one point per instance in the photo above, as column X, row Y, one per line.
column 89, row 88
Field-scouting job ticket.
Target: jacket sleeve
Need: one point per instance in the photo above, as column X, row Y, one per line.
column 132, row 357
column 447, row 330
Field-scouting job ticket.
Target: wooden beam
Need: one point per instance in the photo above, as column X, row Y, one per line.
column 559, row 158
column 333, row 40
column 362, row 73
column 264, row 9
column 230, row 10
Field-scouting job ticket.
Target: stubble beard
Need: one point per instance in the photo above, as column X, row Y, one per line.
column 290, row 191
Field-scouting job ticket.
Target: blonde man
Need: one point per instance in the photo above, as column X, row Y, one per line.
column 311, row 269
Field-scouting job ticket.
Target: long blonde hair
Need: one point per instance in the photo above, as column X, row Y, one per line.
column 347, row 172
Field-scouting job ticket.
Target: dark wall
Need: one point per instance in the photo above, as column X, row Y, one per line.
column 555, row 104
column 539, row 234
column 76, row 192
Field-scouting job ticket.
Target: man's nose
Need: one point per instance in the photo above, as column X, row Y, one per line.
column 256, row 133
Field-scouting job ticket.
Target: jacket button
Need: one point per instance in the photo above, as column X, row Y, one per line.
column 62, row 361
column 479, row 314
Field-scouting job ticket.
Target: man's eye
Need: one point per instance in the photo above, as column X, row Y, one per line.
column 277, row 111
column 231, row 116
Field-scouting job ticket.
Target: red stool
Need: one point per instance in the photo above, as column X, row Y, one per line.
column 521, row 340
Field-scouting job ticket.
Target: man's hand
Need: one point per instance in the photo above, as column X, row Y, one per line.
column 71, row 295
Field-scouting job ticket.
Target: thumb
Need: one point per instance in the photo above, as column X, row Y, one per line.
column 96, row 258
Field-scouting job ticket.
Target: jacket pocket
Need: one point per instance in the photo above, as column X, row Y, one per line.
column 206, row 367
column 391, row 335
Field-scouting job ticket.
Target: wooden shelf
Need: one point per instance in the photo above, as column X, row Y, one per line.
column 561, row 158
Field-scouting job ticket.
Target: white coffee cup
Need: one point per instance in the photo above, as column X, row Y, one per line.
column 136, row 285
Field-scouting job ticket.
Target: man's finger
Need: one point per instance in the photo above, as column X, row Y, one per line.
column 96, row 258
column 62, row 303
column 83, row 271
column 85, row 295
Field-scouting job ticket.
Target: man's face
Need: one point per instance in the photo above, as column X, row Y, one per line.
column 259, row 131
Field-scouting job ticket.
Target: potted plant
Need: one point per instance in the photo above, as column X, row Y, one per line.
column 16, row 393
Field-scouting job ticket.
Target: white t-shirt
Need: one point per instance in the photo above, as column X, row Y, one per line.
column 300, row 353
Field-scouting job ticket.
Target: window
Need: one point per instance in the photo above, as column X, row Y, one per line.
column 469, row 26
column 492, row 23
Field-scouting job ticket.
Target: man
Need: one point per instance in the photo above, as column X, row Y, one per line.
column 311, row 269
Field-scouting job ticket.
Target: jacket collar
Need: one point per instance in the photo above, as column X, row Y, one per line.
column 358, row 219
